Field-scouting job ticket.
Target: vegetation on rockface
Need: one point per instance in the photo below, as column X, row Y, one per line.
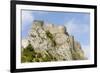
column 77, row 55
column 30, row 55
column 50, row 36
column 27, row 54
column 43, row 45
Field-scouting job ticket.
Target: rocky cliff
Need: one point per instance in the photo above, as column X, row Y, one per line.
column 48, row 42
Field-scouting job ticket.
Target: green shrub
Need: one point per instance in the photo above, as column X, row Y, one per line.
column 50, row 36
column 27, row 54
column 30, row 55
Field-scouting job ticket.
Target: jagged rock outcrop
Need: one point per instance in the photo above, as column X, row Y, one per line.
column 54, row 40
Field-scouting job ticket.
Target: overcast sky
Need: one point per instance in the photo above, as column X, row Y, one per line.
column 77, row 24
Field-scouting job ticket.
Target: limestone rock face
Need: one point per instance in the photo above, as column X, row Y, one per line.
column 55, row 40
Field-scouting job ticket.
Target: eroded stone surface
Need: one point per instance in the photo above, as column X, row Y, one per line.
column 53, row 38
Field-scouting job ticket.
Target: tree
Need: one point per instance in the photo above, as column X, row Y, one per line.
column 27, row 54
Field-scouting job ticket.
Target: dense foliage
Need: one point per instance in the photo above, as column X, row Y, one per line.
column 30, row 55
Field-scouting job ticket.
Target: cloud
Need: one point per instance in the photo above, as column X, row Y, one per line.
column 81, row 33
column 86, row 49
column 74, row 28
column 27, row 17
